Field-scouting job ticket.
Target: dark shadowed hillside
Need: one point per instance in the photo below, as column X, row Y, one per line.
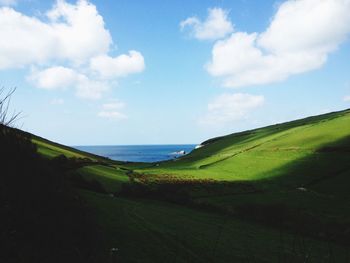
column 42, row 217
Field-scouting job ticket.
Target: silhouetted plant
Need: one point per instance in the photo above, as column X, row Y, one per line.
column 6, row 118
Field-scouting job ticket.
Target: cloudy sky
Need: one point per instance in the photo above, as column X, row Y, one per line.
column 164, row 72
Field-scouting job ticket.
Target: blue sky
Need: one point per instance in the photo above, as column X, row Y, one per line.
column 197, row 69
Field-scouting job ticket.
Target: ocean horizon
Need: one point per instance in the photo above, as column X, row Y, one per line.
column 139, row 153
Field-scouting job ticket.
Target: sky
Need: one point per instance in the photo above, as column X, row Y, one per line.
column 171, row 72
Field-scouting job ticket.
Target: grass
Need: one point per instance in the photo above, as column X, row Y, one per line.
column 110, row 177
column 258, row 154
column 150, row 231
column 299, row 171
column 50, row 151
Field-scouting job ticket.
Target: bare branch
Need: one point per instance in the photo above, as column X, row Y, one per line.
column 5, row 100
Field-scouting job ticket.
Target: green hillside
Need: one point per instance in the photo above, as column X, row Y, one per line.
column 267, row 153
column 274, row 194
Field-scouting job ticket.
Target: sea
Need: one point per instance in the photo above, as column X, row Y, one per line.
column 139, row 153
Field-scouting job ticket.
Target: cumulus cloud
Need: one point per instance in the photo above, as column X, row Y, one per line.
column 111, row 110
column 347, row 98
column 67, row 48
column 73, row 32
column 82, row 34
column 54, row 78
column 217, row 25
column 120, row 66
column 61, row 78
column 228, row 108
column 299, row 38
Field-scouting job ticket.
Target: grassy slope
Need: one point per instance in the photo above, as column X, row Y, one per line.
column 109, row 175
column 51, row 149
column 260, row 154
column 312, row 153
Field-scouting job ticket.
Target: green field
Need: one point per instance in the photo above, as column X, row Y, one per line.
column 274, row 194
column 263, row 154
column 153, row 231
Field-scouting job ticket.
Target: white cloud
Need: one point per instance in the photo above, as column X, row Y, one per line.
column 228, row 108
column 311, row 24
column 8, row 2
column 111, row 110
column 217, row 25
column 82, row 34
column 55, row 78
column 347, row 98
column 61, row 47
column 61, row 78
column 119, row 66
column 25, row 40
column 73, row 32
column 299, row 38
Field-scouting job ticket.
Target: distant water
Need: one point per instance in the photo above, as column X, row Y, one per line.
column 138, row 153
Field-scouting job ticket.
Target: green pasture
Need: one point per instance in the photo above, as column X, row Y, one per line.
column 297, row 167
column 150, row 231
